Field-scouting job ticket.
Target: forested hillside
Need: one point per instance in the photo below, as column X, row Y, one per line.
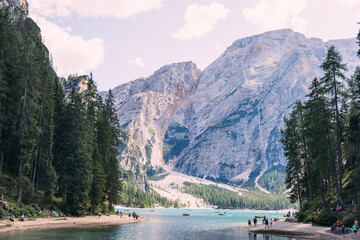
column 321, row 142
column 227, row 199
column 55, row 153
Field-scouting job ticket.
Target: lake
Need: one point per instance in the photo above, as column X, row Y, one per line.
column 164, row 224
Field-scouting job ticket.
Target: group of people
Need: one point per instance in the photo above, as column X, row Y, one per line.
column 337, row 208
column 355, row 227
column 267, row 221
column 12, row 219
column 134, row 215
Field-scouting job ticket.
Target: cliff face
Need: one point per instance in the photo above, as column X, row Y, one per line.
column 79, row 83
column 18, row 8
column 146, row 107
column 224, row 123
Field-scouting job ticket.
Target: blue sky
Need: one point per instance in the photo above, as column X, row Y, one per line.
column 121, row 40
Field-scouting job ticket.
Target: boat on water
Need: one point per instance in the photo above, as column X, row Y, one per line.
column 152, row 210
column 186, row 214
column 221, row 214
column 259, row 216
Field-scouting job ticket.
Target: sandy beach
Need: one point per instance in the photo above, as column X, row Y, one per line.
column 299, row 230
column 68, row 222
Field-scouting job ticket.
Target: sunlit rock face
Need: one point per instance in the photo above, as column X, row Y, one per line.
column 146, row 107
column 17, row 8
column 223, row 123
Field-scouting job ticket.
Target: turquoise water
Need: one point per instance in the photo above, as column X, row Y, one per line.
column 164, row 224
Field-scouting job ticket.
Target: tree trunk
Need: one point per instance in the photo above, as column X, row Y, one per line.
column 338, row 138
column 33, row 178
column 333, row 168
column 322, row 189
column 19, row 195
column 37, row 179
column 299, row 195
column 307, row 169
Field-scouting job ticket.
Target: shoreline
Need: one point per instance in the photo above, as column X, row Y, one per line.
column 67, row 222
column 298, row 230
column 282, row 211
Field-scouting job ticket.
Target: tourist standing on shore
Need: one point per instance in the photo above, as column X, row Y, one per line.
column 313, row 221
column 255, row 221
column 343, row 230
column 354, row 229
column 270, row 223
column 12, row 219
column 266, row 223
column 356, row 222
column 249, row 223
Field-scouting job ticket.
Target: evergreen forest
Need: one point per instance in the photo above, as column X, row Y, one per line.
column 57, row 151
column 226, row 199
column 321, row 141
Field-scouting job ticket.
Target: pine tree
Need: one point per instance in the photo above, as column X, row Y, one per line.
column 299, row 110
column 334, row 70
column 29, row 128
column 97, row 192
column 10, row 56
column 114, row 175
column 78, row 159
column 317, row 121
column 353, row 131
column 292, row 150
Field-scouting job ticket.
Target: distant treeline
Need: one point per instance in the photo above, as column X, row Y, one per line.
column 58, row 153
column 321, row 139
column 227, row 199
column 133, row 196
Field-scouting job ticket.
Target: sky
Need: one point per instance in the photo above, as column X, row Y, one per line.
column 122, row 40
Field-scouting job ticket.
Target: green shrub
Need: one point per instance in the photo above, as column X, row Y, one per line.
column 327, row 217
column 348, row 220
column 36, row 207
column 303, row 217
column 55, row 214
column 29, row 210
column 3, row 213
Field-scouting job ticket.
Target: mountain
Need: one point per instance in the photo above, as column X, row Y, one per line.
column 17, row 8
column 238, row 108
column 146, row 108
column 223, row 123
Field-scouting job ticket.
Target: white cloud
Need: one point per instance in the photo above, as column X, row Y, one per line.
column 357, row 17
column 71, row 54
column 348, row 3
column 92, row 8
column 200, row 20
column 275, row 14
column 138, row 62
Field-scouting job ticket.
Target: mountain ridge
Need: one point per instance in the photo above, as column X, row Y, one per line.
column 227, row 127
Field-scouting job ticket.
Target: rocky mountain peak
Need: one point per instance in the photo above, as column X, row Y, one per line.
column 17, row 8
column 79, row 83
column 224, row 123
